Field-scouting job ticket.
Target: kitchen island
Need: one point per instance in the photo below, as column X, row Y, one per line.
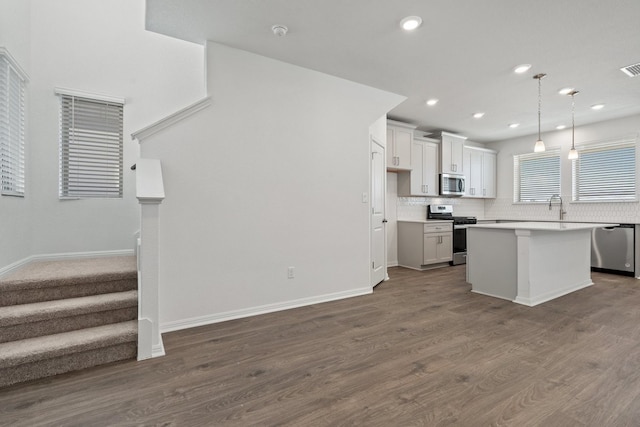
column 529, row 262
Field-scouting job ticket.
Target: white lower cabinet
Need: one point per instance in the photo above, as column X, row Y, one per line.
column 437, row 248
column 425, row 245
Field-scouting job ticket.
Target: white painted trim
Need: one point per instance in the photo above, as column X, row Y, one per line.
column 172, row 119
column 453, row 134
column 149, row 183
column 145, row 345
column 82, row 94
column 552, row 295
column 61, row 256
column 12, row 61
column 158, row 349
column 400, row 124
column 263, row 309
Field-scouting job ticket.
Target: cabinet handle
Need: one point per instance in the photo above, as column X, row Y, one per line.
column 484, row 191
column 426, row 188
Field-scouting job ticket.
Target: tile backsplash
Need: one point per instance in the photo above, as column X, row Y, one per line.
column 415, row 208
column 504, row 208
column 412, row 208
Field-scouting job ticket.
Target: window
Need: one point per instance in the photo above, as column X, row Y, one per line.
column 91, row 133
column 536, row 176
column 605, row 171
column 12, row 125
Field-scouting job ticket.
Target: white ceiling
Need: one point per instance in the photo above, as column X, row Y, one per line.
column 463, row 54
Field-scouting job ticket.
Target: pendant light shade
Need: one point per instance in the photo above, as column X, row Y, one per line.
column 573, row 153
column 539, row 147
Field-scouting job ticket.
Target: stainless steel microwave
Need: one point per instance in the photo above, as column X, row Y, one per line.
column 451, row 185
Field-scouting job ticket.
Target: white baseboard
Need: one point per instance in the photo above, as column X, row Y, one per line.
column 158, row 349
column 61, row 256
column 263, row 309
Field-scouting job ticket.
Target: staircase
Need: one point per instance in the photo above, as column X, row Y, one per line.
column 61, row 316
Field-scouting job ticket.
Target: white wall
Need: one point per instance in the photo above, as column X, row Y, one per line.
column 504, row 208
column 270, row 176
column 98, row 47
column 15, row 232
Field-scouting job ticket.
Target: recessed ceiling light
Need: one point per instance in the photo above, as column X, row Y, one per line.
column 431, row 102
column 522, row 68
column 411, row 23
column 478, row 115
column 279, row 30
column 514, row 125
column 566, row 90
column 597, row 106
column 560, row 127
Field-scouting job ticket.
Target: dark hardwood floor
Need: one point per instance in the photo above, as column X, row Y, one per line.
column 422, row 350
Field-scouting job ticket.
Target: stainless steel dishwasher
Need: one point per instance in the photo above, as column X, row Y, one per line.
column 613, row 249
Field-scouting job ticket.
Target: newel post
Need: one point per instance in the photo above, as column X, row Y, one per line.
column 150, row 193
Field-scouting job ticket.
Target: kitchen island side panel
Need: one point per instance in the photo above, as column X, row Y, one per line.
column 492, row 267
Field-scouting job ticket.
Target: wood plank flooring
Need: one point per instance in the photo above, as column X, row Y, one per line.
column 422, row 350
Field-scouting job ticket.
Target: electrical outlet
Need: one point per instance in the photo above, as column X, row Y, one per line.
column 365, row 198
column 290, row 273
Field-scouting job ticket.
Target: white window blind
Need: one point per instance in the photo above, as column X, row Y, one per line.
column 536, row 176
column 91, row 134
column 12, row 126
column 605, row 171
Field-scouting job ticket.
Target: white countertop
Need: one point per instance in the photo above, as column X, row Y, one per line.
column 425, row 221
column 544, row 226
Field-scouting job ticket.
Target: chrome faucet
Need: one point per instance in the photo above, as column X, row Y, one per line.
column 562, row 211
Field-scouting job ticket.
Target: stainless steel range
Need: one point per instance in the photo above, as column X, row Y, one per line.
column 445, row 212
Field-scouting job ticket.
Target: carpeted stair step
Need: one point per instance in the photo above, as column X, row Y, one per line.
column 54, row 280
column 18, row 322
column 68, row 351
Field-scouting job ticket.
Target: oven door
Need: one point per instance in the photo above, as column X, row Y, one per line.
column 459, row 244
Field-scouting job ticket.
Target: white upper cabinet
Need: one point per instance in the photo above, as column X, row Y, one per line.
column 480, row 172
column 399, row 139
column 489, row 166
column 422, row 180
column 452, row 148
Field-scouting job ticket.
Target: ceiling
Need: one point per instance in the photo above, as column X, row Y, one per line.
column 463, row 54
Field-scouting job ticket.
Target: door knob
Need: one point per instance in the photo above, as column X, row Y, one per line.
column 384, row 221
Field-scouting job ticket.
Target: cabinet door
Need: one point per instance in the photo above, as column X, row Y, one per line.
column 417, row 169
column 391, row 156
column 431, row 243
column 402, row 140
column 475, row 173
column 466, row 161
column 489, row 175
column 457, row 148
column 452, row 154
column 445, row 248
column 430, row 169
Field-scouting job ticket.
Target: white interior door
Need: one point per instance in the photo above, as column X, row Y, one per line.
column 378, row 221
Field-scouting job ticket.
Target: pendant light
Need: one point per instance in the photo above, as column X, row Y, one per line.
column 573, row 153
column 539, row 147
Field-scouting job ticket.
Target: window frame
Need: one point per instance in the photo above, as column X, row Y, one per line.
column 13, row 127
column 610, row 144
column 100, row 138
column 551, row 153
